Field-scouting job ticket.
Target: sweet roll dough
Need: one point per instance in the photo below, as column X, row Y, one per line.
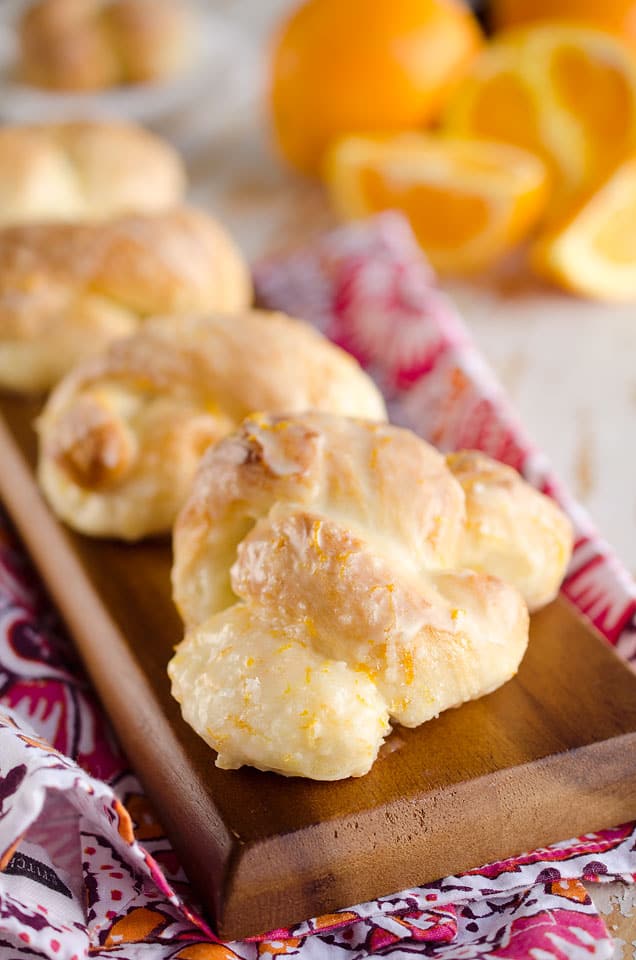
column 318, row 546
column 67, row 290
column 85, row 171
column 512, row 530
column 123, row 433
column 96, row 44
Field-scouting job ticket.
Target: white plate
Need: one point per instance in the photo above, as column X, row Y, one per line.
column 221, row 76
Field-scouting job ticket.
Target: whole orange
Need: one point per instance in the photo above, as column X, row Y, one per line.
column 356, row 66
column 617, row 16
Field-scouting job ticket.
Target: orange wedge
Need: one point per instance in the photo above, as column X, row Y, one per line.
column 468, row 201
column 593, row 252
column 568, row 93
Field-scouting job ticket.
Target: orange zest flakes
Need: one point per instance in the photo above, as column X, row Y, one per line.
column 241, row 724
column 408, row 666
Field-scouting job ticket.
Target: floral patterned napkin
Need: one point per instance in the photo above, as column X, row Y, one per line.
column 87, row 869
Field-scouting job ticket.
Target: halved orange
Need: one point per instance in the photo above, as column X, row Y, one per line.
column 568, row 93
column 468, row 201
column 593, row 251
column 615, row 16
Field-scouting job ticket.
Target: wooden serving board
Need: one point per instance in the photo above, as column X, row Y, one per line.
column 548, row 756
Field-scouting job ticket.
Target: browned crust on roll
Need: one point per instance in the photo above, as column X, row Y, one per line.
column 66, row 290
column 85, row 170
column 178, row 385
column 94, row 44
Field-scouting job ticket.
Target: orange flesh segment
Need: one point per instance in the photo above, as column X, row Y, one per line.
column 505, row 110
column 442, row 217
column 598, row 94
column 565, row 91
column 615, row 239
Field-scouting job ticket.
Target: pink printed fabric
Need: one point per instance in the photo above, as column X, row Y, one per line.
column 86, row 867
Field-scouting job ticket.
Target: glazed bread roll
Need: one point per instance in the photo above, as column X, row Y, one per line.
column 512, row 530
column 321, row 566
column 85, row 171
column 123, row 433
column 67, row 290
column 152, row 37
column 95, row 44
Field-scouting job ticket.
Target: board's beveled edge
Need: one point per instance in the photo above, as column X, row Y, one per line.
column 496, row 815
column 101, row 646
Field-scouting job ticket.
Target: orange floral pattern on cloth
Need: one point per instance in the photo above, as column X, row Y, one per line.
column 135, row 927
column 145, row 823
column 88, row 869
column 205, row 951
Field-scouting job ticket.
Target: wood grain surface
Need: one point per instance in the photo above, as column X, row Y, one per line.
column 549, row 755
